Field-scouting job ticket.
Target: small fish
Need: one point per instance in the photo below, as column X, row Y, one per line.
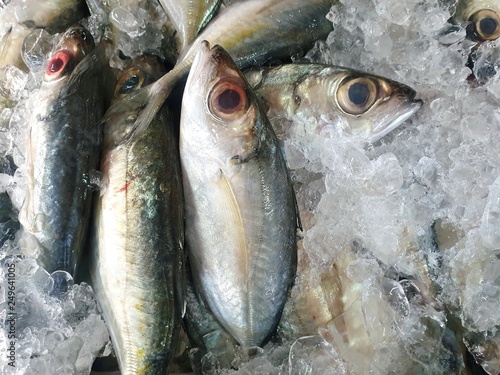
column 63, row 149
column 190, row 17
column 240, row 206
column 364, row 106
column 137, row 266
column 361, row 304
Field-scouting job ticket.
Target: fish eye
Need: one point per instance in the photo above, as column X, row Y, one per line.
column 357, row 95
column 484, row 25
column 60, row 63
column 228, row 100
column 129, row 81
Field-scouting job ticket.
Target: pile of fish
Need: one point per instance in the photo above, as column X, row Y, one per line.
column 196, row 187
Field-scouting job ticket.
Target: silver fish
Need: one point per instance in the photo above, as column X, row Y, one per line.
column 62, row 149
column 190, row 17
column 240, row 206
column 137, row 266
column 364, row 106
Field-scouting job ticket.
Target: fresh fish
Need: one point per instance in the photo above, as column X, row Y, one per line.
column 240, row 206
column 190, row 16
column 19, row 17
column 137, row 268
column 363, row 105
column 244, row 30
column 357, row 311
column 63, row 149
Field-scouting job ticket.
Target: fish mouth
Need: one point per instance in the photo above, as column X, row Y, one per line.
column 406, row 110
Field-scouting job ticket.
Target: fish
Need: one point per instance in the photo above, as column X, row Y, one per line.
column 19, row 18
column 240, row 208
column 63, row 149
column 190, row 17
column 364, row 106
column 137, row 261
column 356, row 303
column 243, row 29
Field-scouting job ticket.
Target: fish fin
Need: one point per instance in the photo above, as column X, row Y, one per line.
column 94, row 62
column 211, row 12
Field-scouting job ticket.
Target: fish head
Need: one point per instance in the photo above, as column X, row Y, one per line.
column 218, row 100
column 481, row 19
column 368, row 106
column 142, row 71
column 129, row 97
column 74, row 44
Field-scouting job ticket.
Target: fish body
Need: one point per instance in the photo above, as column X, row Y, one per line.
column 137, row 264
column 190, row 16
column 63, row 150
column 240, row 207
column 363, row 105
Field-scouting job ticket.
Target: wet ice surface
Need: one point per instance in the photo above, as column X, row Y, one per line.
column 401, row 238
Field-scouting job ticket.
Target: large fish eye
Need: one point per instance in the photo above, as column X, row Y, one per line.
column 60, row 63
column 228, row 100
column 357, row 95
column 484, row 25
column 129, row 81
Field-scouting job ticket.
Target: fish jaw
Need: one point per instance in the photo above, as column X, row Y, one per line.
column 239, row 203
column 406, row 107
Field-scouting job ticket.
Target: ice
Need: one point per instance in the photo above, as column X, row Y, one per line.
column 126, row 22
column 36, row 47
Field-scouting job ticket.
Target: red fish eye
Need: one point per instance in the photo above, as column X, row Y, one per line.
column 228, row 99
column 58, row 64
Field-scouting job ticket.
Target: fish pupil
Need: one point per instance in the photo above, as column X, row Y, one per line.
column 56, row 65
column 358, row 93
column 129, row 84
column 488, row 25
column 229, row 99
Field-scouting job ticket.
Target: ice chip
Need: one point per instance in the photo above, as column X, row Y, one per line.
column 36, row 47
column 490, row 222
column 124, row 20
column 313, row 355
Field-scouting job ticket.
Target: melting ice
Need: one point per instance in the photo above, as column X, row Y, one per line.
column 399, row 265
